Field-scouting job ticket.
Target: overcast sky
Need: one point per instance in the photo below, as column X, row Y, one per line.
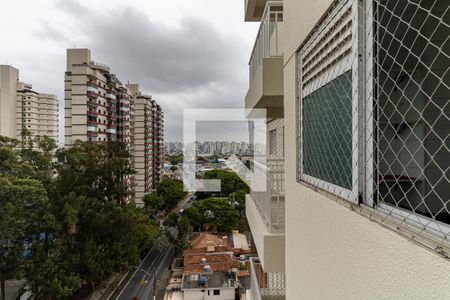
column 186, row 53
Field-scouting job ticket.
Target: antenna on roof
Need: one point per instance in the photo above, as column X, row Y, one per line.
column 74, row 45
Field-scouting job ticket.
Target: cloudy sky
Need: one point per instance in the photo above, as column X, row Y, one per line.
column 186, row 53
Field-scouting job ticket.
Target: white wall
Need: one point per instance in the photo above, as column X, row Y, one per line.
column 8, row 81
column 197, row 294
column 331, row 251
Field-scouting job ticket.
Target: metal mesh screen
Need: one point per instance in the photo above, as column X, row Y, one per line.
column 328, row 103
column 410, row 116
column 266, row 286
column 271, row 203
column 374, row 109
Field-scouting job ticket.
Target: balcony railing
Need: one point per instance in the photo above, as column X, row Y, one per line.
column 99, row 65
column 266, row 286
column 271, row 203
column 266, row 44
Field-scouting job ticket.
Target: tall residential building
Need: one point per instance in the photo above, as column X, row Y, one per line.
column 148, row 141
column 99, row 108
column 357, row 200
column 23, row 108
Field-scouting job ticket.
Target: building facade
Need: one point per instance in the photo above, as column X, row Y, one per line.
column 148, row 134
column 361, row 88
column 22, row 108
column 99, row 108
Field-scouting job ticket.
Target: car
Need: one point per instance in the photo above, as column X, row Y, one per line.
column 181, row 211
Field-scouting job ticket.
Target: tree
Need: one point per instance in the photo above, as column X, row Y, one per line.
column 171, row 220
column 171, row 190
column 19, row 223
column 239, row 197
column 96, row 169
column 175, row 159
column 216, row 212
column 230, row 182
column 184, row 232
column 153, row 203
column 66, row 224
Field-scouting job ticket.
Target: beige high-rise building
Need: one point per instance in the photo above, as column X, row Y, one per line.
column 148, row 141
column 357, row 98
column 23, row 108
column 99, row 108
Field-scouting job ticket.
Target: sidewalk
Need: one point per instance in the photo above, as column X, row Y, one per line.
column 109, row 287
column 161, row 289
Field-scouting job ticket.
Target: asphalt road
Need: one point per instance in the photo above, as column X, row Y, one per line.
column 140, row 284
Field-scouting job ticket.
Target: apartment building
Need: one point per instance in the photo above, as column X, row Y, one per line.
column 359, row 91
column 100, row 108
column 148, row 141
column 23, row 108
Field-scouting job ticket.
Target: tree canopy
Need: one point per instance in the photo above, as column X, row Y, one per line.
column 230, row 181
column 66, row 222
column 172, row 191
column 213, row 212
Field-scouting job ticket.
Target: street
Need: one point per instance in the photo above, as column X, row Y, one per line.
column 140, row 284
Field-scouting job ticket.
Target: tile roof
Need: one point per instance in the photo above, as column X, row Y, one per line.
column 217, row 261
column 204, row 239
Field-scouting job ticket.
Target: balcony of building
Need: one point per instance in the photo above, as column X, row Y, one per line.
column 263, row 285
column 99, row 66
column 265, row 212
column 254, row 10
column 266, row 64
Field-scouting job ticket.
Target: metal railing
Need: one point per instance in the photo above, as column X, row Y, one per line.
column 266, row 43
column 266, row 286
column 270, row 203
column 100, row 65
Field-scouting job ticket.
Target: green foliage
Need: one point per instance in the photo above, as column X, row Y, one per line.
column 215, row 212
column 171, row 190
column 230, row 182
column 175, row 159
column 239, row 197
column 184, row 232
column 69, row 214
column 153, row 203
column 171, row 220
column 95, row 169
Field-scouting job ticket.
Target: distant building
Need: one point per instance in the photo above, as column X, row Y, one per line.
column 23, row 108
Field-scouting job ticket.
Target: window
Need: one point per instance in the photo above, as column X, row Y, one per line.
column 328, row 128
column 273, row 142
column 216, row 292
column 410, row 107
column 373, row 127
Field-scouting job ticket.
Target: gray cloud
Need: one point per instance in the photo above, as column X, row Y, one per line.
column 193, row 65
column 71, row 6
